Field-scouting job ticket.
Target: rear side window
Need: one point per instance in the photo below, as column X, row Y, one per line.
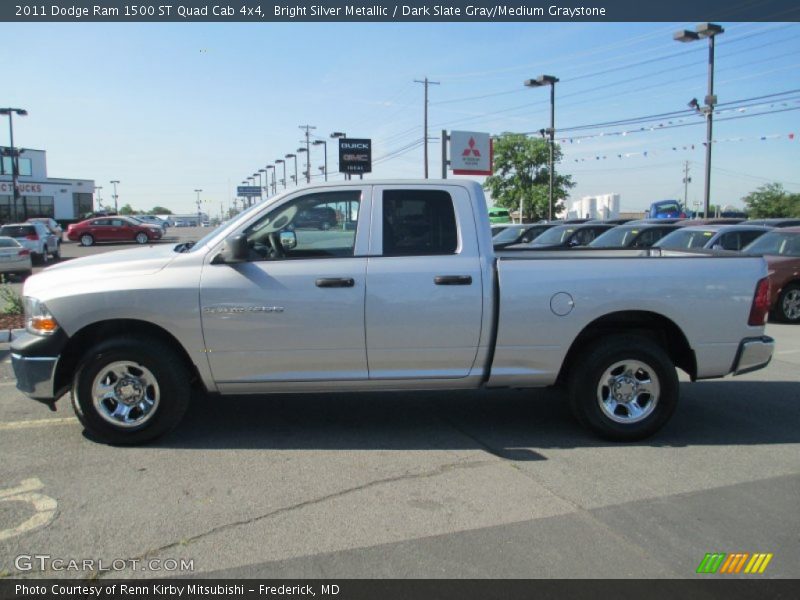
column 6, row 242
column 418, row 223
column 17, row 231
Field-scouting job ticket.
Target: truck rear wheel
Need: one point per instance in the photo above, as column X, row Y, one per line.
column 130, row 390
column 623, row 388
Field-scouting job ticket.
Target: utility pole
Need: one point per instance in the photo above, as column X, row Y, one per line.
column 308, row 129
column 426, row 82
column 686, row 181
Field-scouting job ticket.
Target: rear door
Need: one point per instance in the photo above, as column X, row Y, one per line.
column 424, row 300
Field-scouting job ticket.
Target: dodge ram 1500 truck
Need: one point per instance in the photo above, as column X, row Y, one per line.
column 403, row 291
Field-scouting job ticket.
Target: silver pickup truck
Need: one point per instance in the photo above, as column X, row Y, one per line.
column 397, row 288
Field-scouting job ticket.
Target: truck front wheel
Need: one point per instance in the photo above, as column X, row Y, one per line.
column 623, row 388
column 130, row 390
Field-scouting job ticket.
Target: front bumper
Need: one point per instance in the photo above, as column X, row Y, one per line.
column 35, row 375
column 34, row 360
column 753, row 354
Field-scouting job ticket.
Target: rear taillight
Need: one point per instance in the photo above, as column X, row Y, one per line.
column 761, row 300
column 34, row 237
column 23, row 252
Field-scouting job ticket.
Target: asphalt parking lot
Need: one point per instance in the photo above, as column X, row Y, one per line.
column 500, row 484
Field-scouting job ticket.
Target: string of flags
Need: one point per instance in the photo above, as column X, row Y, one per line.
column 688, row 147
column 674, row 122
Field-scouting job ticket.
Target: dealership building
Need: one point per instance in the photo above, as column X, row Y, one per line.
column 40, row 195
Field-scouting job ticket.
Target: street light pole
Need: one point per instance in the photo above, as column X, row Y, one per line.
column 280, row 161
column 325, row 148
column 116, row 207
column 539, row 82
column 97, row 189
column 340, row 135
column 15, row 157
column 273, row 178
column 199, row 218
column 710, row 31
column 266, row 180
column 307, row 172
column 294, row 156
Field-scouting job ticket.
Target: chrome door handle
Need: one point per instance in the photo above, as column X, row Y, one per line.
column 453, row 280
column 332, row 282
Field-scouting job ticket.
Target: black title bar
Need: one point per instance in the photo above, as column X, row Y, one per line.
column 120, row 11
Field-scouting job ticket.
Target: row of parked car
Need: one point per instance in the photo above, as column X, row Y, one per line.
column 37, row 240
column 777, row 240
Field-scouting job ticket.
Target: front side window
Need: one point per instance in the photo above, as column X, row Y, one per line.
column 418, row 223
column 319, row 225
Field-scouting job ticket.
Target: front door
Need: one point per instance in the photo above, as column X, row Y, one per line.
column 291, row 314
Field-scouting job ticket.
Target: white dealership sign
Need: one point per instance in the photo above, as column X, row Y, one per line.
column 470, row 153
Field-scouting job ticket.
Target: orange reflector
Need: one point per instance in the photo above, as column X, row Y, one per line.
column 44, row 324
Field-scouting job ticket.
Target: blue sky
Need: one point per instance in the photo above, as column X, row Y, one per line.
column 169, row 108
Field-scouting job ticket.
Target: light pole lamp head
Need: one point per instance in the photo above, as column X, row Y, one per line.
column 290, row 156
column 263, row 170
column 279, row 161
column 17, row 111
column 320, row 142
column 299, row 150
column 705, row 30
column 338, row 134
column 541, row 81
column 685, row 36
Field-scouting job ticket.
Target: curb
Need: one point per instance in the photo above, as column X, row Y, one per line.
column 8, row 335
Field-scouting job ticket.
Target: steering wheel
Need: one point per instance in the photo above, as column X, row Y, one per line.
column 275, row 247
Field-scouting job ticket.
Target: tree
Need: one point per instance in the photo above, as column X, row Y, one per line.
column 159, row 210
column 520, row 166
column 126, row 210
column 771, row 200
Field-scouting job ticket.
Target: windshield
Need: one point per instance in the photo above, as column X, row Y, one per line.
column 241, row 217
column 777, row 243
column 684, row 239
column 510, row 234
column 555, row 235
column 616, row 237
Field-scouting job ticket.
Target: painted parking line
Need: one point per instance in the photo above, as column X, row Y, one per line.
column 31, row 423
column 27, row 491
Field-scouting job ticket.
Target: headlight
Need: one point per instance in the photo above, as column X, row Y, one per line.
column 38, row 319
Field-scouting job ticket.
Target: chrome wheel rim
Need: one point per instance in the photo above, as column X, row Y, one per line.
column 628, row 391
column 126, row 394
column 141, row 238
column 791, row 305
column 86, row 240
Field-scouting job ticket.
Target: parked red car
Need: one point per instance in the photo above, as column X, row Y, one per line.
column 112, row 229
column 781, row 249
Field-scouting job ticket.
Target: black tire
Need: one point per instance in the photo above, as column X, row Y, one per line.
column 159, row 361
column 86, row 240
column 325, row 226
column 786, row 309
column 592, row 403
column 57, row 253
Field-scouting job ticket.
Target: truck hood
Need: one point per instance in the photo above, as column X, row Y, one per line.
column 121, row 263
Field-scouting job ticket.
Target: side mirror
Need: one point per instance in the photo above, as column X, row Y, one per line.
column 288, row 240
column 234, row 250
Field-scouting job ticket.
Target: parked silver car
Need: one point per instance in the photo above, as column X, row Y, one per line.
column 14, row 258
column 36, row 237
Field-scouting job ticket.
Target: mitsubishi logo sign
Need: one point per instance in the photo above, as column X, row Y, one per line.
column 470, row 153
column 471, row 149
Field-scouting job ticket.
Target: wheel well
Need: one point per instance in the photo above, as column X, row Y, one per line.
column 653, row 326
column 97, row 332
